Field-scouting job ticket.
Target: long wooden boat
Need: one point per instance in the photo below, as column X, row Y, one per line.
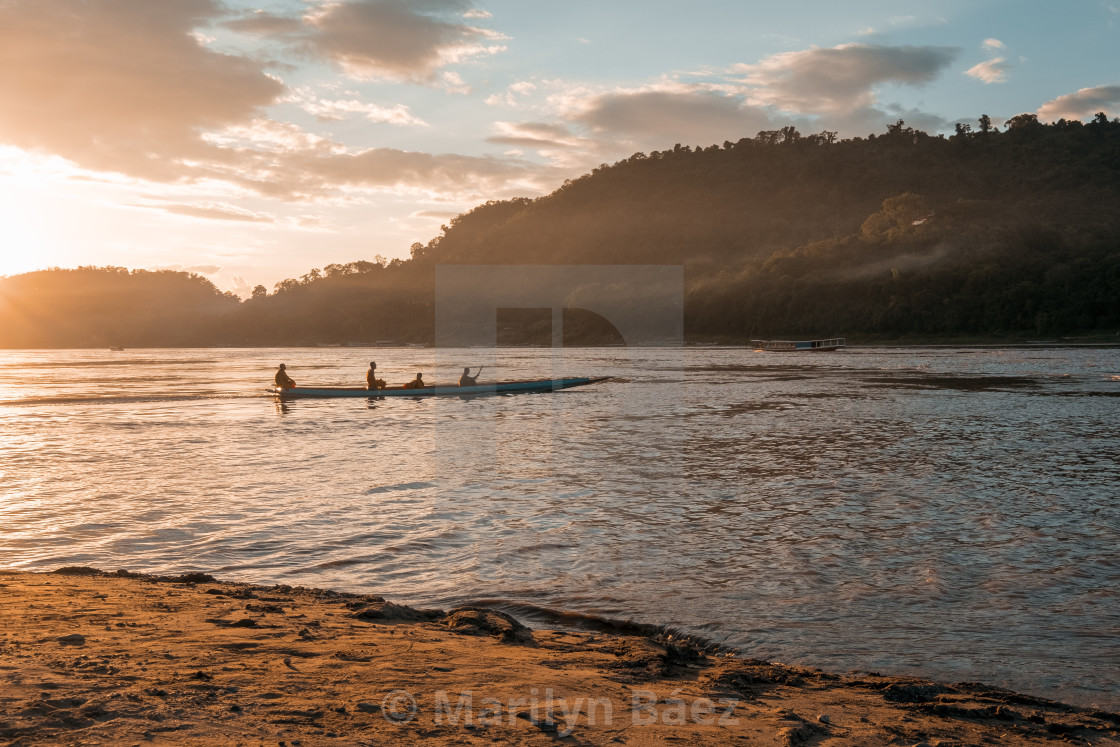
column 794, row 346
column 439, row 390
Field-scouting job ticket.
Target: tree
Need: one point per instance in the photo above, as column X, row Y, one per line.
column 985, row 123
column 899, row 215
column 767, row 137
column 260, row 291
column 1023, row 122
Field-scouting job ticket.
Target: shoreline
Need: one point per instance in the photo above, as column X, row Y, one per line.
column 94, row 657
column 1092, row 341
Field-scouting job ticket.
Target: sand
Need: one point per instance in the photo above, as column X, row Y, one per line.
column 122, row 659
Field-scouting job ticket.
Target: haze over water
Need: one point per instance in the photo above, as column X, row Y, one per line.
column 945, row 512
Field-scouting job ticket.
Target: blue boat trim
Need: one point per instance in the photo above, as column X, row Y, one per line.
column 499, row 387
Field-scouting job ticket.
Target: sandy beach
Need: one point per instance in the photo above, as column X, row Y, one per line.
column 89, row 657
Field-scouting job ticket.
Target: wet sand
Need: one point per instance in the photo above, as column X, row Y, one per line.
column 123, row 659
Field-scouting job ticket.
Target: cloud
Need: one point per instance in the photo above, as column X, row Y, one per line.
column 919, row 120
column 215, row 211
column 580, row 126
column 511, row 96
column 1085, row 103
column 990, row 71
column 261, row 23
column 120, row 85
column 536, row 135
column 408, row 40
column 337, row 109
column 660, row 118
column 993, row 70
column 448, row 174
column 452, row 82
column 198, row 269
column 241, row 287
column 839, row 79
column 308, row 222
column 400, row 39
column 815, row 89
column 833, row 87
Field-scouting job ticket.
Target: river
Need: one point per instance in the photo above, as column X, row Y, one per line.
column 949, row 512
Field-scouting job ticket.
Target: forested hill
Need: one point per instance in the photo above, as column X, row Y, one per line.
column 98, row 307
column 900, row 235
column 743, row 201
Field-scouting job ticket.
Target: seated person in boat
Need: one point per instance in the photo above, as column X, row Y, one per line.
column 417, row 383
column 466, row 379
column 372, row 382
column 283, row 380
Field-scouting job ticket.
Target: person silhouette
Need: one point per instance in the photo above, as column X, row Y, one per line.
column 466, row 379
column 283, row 380
column 417, row 383
column 372, row 382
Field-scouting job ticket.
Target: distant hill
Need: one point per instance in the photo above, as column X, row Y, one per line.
column 901, row 235
column 111, row 306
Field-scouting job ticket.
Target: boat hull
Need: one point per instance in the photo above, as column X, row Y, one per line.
column 799, row 346
column 500, row 387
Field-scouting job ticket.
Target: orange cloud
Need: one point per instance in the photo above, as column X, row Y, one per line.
column 380, row 168
column 128, row 86
column 1084, row 103
column 121, row 85
column 217, row 212
column 990, row 71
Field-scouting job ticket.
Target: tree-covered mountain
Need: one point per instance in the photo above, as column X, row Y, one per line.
column 984, row 233
column 110, row 306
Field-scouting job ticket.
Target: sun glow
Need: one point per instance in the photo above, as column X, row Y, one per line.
column 53, row 214
column 22, row 236
column 30, row 225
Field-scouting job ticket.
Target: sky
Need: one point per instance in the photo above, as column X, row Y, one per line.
column 253, row 141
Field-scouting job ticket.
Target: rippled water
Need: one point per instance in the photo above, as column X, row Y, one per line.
column 948, row 512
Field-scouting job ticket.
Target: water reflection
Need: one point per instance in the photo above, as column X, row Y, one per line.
column 949, row 512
